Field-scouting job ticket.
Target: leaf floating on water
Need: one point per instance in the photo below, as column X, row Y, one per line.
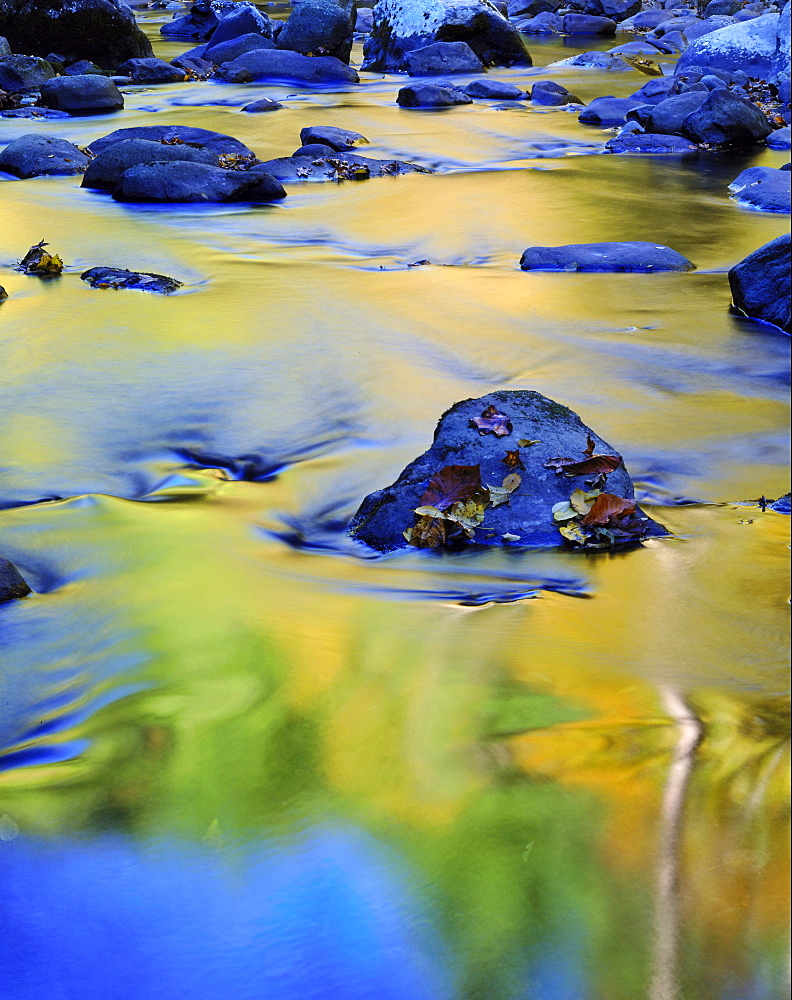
column 596, row 464
column 452, row 484
column 513, row 459
column 642, row 65
column 37, row 261
column 492, row 421
column 606, row 506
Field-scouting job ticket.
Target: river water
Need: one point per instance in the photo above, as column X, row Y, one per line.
column 240, row 761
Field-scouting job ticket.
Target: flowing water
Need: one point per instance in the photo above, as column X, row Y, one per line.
column 240, row 761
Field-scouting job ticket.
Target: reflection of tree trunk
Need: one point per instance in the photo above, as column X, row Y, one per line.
column 665, row 982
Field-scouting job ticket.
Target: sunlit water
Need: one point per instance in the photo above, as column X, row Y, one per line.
column 241, row 761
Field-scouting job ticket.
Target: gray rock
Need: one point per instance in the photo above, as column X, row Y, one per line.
column 244, row 20
column 12, row 585
column 545, row 23
column 551, row 94
column 430, row 95
column 318, row 27
column 233, row 48
column 633, row 256
column 606, row 111
column 179, row 181
column 648, row 143
column 193, row 66
column 263, row 104
column 763, row 188
column 440, row 58
column 530, row 8
column 728, row 7
column 749, row 46
column 584, row 24
column 19, row 73
column 667, row 116
column 288, row 67
column 648, row 19
column 526, row 520
column 333, row 166
column 780, row 139
column 82, row 95
column 107, row 168
column 104, row 31
column 760, row 284
column 595, row 60
column 143, row 281
column 152, row 71
column 726, row 120
column 200, row 137
column 42, row 155
column 329, row 135
column 83, row 67
column 202, row 20
column 494, row 90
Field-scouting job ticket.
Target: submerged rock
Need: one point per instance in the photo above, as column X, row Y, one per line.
column 12, row 584
column 763, row 188
column 82, row 95
column 399, row 28
column 41, row 155
column 760, row 284
column 117, row 277
column 104, row 31
column 633, row 256
column 179, row 181
column 264, row 104
column 524, row 516
column 333, row 166
column 649, row 142
column 595, row 60
column 203, row 138
column 108, row 166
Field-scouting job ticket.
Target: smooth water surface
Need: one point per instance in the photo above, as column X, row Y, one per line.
column 240, row 760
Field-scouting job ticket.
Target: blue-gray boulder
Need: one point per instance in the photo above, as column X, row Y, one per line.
column 781, row 138
column 760, row 284
column 141, row 281
column 585, row 24
column 667, row 117
column 12, row 584
column 329, row 165
column 19, row 73
column 263, row 104
column 41, row 155
column 724, row 119
column 632, row 256
column 108, row 166
column 202, row 20
column 318, row 27
column 431, row 95
column 244, row 20
column 286, row 67
column 552, row 95
column 750, row 46
column 440, row 58
column 180, row 181
column 494, row 90
column 649, row 143
column 595, row 60
column 607, row 111
column 82, row 95
column 329, row 135
column 546, row 23
column 151, row 71
column 203, row 138
column 465, row 456
column 83, row 67
column 763, row 188
column 232, row 48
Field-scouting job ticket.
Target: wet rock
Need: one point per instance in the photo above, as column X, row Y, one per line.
column 318, row 27
column 243, row 20
column 107, row 168
column 151, row 71
column 728, row 7
column 749, row 46
column 585, row 24
column 179, row 181
column 364, row 20
column 264, row 104
column 443, row 57
column 726, row 120
column 527, row 519
column 595, row 60
column 783, row 505
column 84, row 67
column 329, row 135
column 82, row 95
column 399, row 28
column 700, row 28
column 545, row 23
column 763, row 188
column 5, row 48
column 202, row 20
column 287, row 67
column 143, row 281
column 334, row 166
column 19, row 73
column 494, row 90
column 760, row 284
column 646, row 142
column 551, row 94
column 34, row 113
column 175, row 134
column 781, row 138
column 12, row 585
column 530, row 8
column 431, row 95
column 104, row 31
column 620, row 10
column 607, row 111
column 667, row 117
column 648, row 19
column 634, row 49
column 314, row 150
column 41, row 155
column 633, row 256
column 233, row 48
column 194, row 66
column 672, row 42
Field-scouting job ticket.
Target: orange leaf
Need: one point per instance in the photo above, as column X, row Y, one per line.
column 452, row 484
column 606, row 506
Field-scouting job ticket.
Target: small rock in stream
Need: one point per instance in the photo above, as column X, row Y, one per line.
column 151, row 71
column 12, row 584
column 278, row 65
column 336, row 138
column 264, row 104
column 763, row 188
column 334, row 167
column 760, row 284
column 116, row 277
column 82, row 95
column 41, row 155
column 494, row 90
column 530, row 433
column 613, row 257
column 431, row 95
column 442, row 57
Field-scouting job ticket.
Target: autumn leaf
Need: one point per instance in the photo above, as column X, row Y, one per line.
column 596, row 464
column 606, row 506
column 511, row 482
column 502, row 494
column 573, row 533
column 582, row 501
column 452, row 484
column 468, row 514
column 527, row 442
column 564, row 511
column 493, row 421
column 38, row 261
column 590, row 446
column 513, row 459
column 427, row 533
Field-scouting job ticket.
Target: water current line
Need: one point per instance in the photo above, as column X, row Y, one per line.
column 665, row 981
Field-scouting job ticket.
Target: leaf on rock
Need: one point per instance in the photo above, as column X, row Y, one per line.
column 588, row 451
column 452, row 484
column 511, row 482
column 493, row 421
column 502, row 494
column 468, row 514
column 574, row 533
column 582, row 501
column 607, row 506
column 427, row 533
column 38, row 261
column 513, row 460
column 596, row 464
column 564, row 511
column 527, row 442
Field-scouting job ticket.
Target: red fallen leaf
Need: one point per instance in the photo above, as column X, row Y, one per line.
column 606, row 506
column 492, row 420
column 597, row 464
column 452, row 484
column 589, row 449
column 513, row 459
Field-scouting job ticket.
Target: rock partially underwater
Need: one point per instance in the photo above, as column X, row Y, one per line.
column 512, row 468
column 12, row 584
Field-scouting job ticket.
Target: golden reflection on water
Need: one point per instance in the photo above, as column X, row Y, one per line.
column 195, row 677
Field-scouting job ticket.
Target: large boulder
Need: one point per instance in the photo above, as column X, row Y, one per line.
column 763, row 188
column 40, row 155
column 319, row 27
column 552, row 95
column 494, row 90
column 585, row 24
column 607, row 111
column 107, row 168
column 180, row 181
column 667, row 116
column 441, row 58
column 243, row 20
column 232, row 48
column 504, row 467
column 750, row 46
column 104, row 31
column 760, row 284
column 634, row 256
column 401, row 27
column 202, row 19
column 12, row 584
column 82, row 95
column 202, row 138
column 724, row 119
column 19, row 73
column 286, row 67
